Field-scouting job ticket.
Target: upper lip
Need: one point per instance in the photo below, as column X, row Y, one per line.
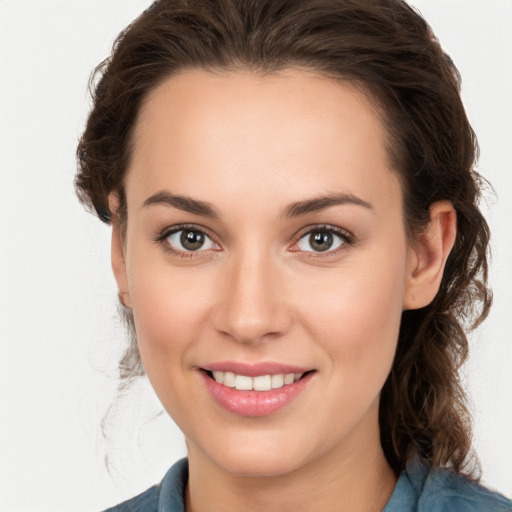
column 255, row 369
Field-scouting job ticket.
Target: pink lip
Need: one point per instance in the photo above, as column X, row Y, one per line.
column 255, row 403
column 255, row 369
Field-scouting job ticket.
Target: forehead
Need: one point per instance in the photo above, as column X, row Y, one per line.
column 275, row 136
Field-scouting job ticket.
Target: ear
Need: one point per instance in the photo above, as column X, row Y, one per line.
column 118, row 251
column 427, row 256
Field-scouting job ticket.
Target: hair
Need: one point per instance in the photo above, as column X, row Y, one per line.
column 385, row 48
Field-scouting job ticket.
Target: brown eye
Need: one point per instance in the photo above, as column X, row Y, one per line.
column 190, row 240
column 321, row 240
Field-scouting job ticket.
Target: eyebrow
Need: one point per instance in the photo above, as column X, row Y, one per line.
column 187, row 204
column 297, row 209
column 319, row 204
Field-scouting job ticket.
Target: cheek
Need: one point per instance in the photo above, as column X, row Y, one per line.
column 169, row 313
column 356, row 317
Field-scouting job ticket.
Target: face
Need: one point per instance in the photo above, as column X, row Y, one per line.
column 265, row 249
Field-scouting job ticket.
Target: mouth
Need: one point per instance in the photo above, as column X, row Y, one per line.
column 257, row 383
column 266, row 390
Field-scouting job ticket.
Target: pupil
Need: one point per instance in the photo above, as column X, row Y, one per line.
column 321, row 241
column 192, row 240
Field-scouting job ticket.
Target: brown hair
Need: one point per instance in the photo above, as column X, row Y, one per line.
column 387, row 49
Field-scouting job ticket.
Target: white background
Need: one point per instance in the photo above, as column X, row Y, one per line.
column 59, row 333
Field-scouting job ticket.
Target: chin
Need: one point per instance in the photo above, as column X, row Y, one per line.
column 258, row 464
column 255, row 455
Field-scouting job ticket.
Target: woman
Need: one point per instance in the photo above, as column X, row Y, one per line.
column 297, row 244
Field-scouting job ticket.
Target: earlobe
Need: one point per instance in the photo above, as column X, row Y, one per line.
column 118, row 252
column 427, row 257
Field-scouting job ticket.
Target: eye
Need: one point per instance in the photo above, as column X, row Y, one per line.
column 322, row 240
column 190, row 240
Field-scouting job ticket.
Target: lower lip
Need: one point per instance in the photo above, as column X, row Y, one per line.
column 255, row 403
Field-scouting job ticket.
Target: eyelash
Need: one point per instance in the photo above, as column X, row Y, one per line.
column 347, row 239
column 166, row 233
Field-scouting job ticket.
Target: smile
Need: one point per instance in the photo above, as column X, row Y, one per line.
column 267, row 389
column 258, row 383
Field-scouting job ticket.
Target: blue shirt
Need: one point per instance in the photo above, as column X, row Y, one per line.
column 417, row 490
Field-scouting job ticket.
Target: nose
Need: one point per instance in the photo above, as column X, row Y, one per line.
column 252, row 303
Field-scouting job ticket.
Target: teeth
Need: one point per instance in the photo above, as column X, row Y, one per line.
column 263, row 383
column 277, row 381
column 229, row 379
column 260, row 383
column 243, row 383
column 289, row 378
column 219, row 377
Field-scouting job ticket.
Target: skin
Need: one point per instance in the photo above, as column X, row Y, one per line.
column 251, row 146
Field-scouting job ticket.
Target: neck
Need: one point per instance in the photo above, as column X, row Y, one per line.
column 357, row 478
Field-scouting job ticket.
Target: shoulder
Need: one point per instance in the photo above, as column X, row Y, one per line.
column 445, row 490
column 165, row 497
column 442, row 490
column 145, row 502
